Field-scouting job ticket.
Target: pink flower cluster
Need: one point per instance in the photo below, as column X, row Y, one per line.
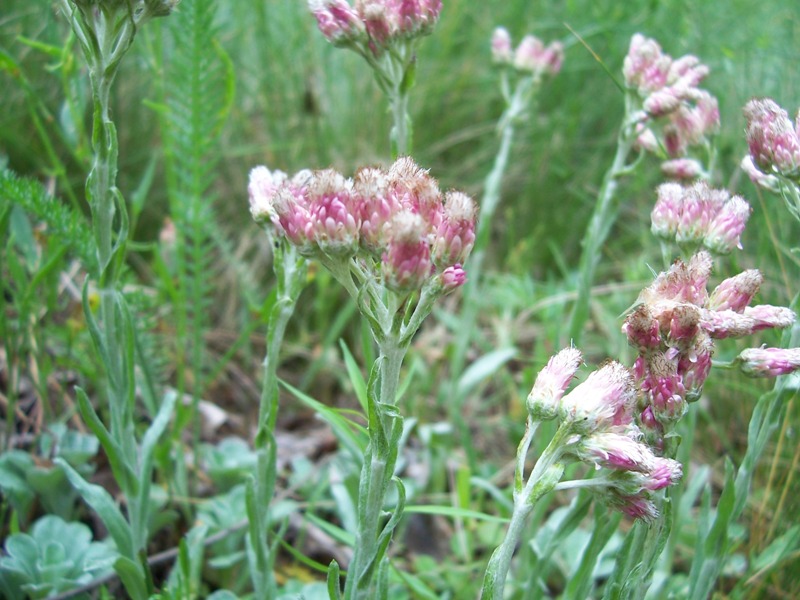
column 674, row 327
column 376, row 23
column 396, row 216
column 698, row 215
column 668, row 91
column 599, row 414
column 773, row 139
column 531, row 56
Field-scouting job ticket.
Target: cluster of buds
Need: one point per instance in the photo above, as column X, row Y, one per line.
column 394, row 221
column 374, row 24
column 699, row 216
column 531, row 56
column 674, row 326
column 672, row 113
column 598, row 414
column 774, row 143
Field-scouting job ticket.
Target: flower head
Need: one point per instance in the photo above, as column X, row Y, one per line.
column 407, row 260
column 602, row 402
column 551, row 383
column 773, row 139
column 769, row 362
column 455, row 235
column 339, row 22
column 502, row 51
column 700, row 215
column 453, row 277
column 530, row 56
column 736, row 293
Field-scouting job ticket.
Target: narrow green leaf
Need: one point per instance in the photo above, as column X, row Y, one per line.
column 453, row 512
column 352, row 435
column 334, row 581
column 337, row 533
column 123, row 472
column 485, row 366
column 356, row 378
column 105, row 507
column 132, row 577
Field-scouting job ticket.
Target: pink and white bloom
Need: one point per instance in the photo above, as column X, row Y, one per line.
column 769, row 362
column 502, row 51
column 261, row 190
column 339, row 22
column 455, row 235
column 700, row 215
column 603, row 402
column 407, row 260
column 682, row 168
column 551, row 383
column 453, row 277
column 736, row 293
column 773, row 139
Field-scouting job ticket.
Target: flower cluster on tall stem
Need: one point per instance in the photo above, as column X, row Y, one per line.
column 665, row 113
column 596, row 427
column 396, row 242
column 531, row 56
column 674, row 327
column 670, row 113
column 385, row 33
column 520, row 83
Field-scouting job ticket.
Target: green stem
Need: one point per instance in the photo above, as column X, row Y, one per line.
column 542, row 479
column 376, row 473
column 290, row 272
column 401, row 132
column 599, row 227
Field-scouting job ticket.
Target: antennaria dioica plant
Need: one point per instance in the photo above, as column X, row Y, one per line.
column 105, row 32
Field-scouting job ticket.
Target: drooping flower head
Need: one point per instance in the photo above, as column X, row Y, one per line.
column 769, row 362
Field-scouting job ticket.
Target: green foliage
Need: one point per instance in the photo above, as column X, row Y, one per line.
column 64, row 225
column 22, row 479
column 55, row 556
